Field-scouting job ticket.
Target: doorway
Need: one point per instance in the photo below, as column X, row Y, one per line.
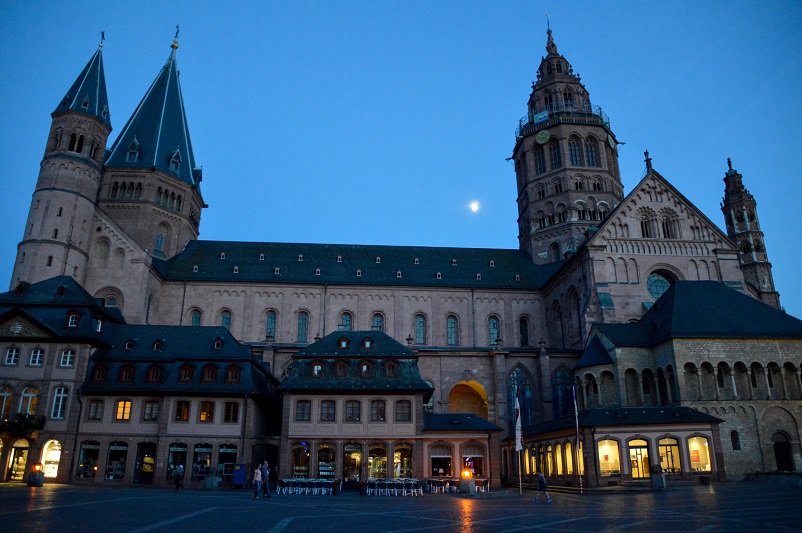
column 18, row 460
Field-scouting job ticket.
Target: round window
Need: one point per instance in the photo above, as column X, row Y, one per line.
column 657, row 284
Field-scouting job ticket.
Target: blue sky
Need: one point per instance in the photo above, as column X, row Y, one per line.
column 379, row 122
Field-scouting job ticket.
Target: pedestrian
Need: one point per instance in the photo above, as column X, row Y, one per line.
column 265, row 471
column 541, row 488
column 257, row 481
column 178, row 477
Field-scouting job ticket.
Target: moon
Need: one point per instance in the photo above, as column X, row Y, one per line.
column 474, row 206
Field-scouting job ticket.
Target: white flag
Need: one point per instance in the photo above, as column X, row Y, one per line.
column 519, row 436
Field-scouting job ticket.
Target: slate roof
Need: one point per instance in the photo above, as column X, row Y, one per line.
column 90, row 89
column 179, row 346
column 339, row 264
column 457, row 422
column 383, row 350
column 704, row 309
column 595, row 354
column 159, row 128
column 625, row 416
column 48, row 304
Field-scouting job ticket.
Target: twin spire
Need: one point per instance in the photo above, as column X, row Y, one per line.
column 157, row 135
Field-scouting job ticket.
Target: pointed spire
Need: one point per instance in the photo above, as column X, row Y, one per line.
column 648, row 161
column 88, row 93
column 159, row 129
column 551, row 48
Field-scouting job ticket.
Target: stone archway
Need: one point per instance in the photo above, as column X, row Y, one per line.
column 468, row 397
column 782, row 452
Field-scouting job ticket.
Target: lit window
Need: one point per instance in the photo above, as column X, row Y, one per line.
column 123, row 411
column 206, row 413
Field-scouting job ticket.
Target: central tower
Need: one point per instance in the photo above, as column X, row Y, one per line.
column 566, row 163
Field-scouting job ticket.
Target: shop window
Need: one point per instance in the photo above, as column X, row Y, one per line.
column 227, row 458
column 300, row 461
column 176, row 456
column 377, row 463
column 201, row 461
column 669, row 456
column 115, row 461
column 325, row 462
column 440, row 459
column 473, row 460
column 402, row 461
column 699, row 452
column 609, row 462
column 87, row 460
column 352, row 462
column 639, row 458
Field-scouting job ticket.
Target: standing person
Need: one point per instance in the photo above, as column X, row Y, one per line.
column 265, row 470
column 178, row 477
column 257, row 481
column 541, row 488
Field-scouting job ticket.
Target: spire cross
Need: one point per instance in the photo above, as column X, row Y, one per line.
column 176, row 32
column 102, row 38
column 548, row 26
column 729, row 163
column 175, row 40
column 648, row 160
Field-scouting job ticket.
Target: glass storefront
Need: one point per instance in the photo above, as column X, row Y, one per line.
column 441, row 461
column 473, row 460
column 639, row 458
column 377, row 462
column 18, row 460
column 176, row 455
column 326, row 462
column 699, row 452
column 227, row 458
column 569, row 459
column 51, row 455
column 115, row 461
column 669, row 456
column 300, row 461
column 87, row 459
column 609, row 463
column 145, row 462
column 201, row 461
column 352, row 462
column 402, row 461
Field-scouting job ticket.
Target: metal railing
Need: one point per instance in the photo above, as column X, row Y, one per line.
column 584, row 114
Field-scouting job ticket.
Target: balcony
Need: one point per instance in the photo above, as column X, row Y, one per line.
column 21, row 425
column 560, row 114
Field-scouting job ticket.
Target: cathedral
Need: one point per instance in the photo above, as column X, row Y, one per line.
column 628, row 334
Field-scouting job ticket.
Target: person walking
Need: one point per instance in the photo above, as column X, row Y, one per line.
column 541, row 488
column 265, row 471
column 257, row 481
column 178, row 477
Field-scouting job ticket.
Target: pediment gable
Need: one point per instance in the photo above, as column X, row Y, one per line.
column 656, row 214
column 17, row 324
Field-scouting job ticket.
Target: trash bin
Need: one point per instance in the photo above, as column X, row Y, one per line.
column 211, row 479
column 36, row 477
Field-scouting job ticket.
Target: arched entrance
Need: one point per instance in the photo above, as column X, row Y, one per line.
column 51, row 456
column 782, row 452
column 468, row 397
column 17, row 460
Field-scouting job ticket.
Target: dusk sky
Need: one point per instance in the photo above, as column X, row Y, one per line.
column 379, row 122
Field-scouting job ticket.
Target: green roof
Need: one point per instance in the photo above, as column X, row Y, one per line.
column 88, row 93
column 354, row 264
column 704, row 309
column 158, row 130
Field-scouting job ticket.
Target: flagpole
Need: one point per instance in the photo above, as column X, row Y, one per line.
column 576, row 444
column 519, row 442
column 520, row 468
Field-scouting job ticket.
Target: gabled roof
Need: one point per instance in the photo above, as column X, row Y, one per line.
column 457, row 422
column 625, row 416
column 158, row 130
column 177, row 346
column 383, row 352
column 353, row 264
column 595, row 354
column 704, row 309
column 88, row 93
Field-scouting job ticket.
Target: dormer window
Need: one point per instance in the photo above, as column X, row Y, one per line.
column 236, row 270
column 85, row 102
column 154, row 374
column 233, row 374
column 126, row 374
column 175, row 161
column 72, row 321
column 129, row 345
column 343, row 343
column 300, row 257
column 104, row 111
column 398, row 274
column 517, row 277
column 157, row 346
column 478, row 277
column 391, row 369
column 133, row 152
column 195, row 268
column 99, row 373
column 218, row 343
column 98, row 325
column 378, row 260
column 453, row 262
column 492, row 263
column 209, row 374
column 317, row 272
column 364, row 369
column 277, row 270
column 222, row 255
column 317, row 370
column 339, row 259
column 416, row 261
column 341, row 369
column 358, row 273
column 185, row 374
column 261, row 257
column 439, row 275
column 367, row 343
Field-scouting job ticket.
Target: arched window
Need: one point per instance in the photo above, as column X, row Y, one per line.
column 345, row 321
column 523, row 328
column 736, row 440
column 574, row 151
column 657, row 283
column 175, row 161
column 195, row 318
column 555, row 157
column 591, row 154
column 270, row 325
column 6, row 393
column 28, row 401
column 159, row 242
column 420, row 329
column 377, row 322
column 303, row 322
column 540, row 159
column 518, row 383
column 492, row 326
column 568, row 97
column 225, row 319
column 451, row 331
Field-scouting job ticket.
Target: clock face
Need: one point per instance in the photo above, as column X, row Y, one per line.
column 611, row 141
column 543, row 136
